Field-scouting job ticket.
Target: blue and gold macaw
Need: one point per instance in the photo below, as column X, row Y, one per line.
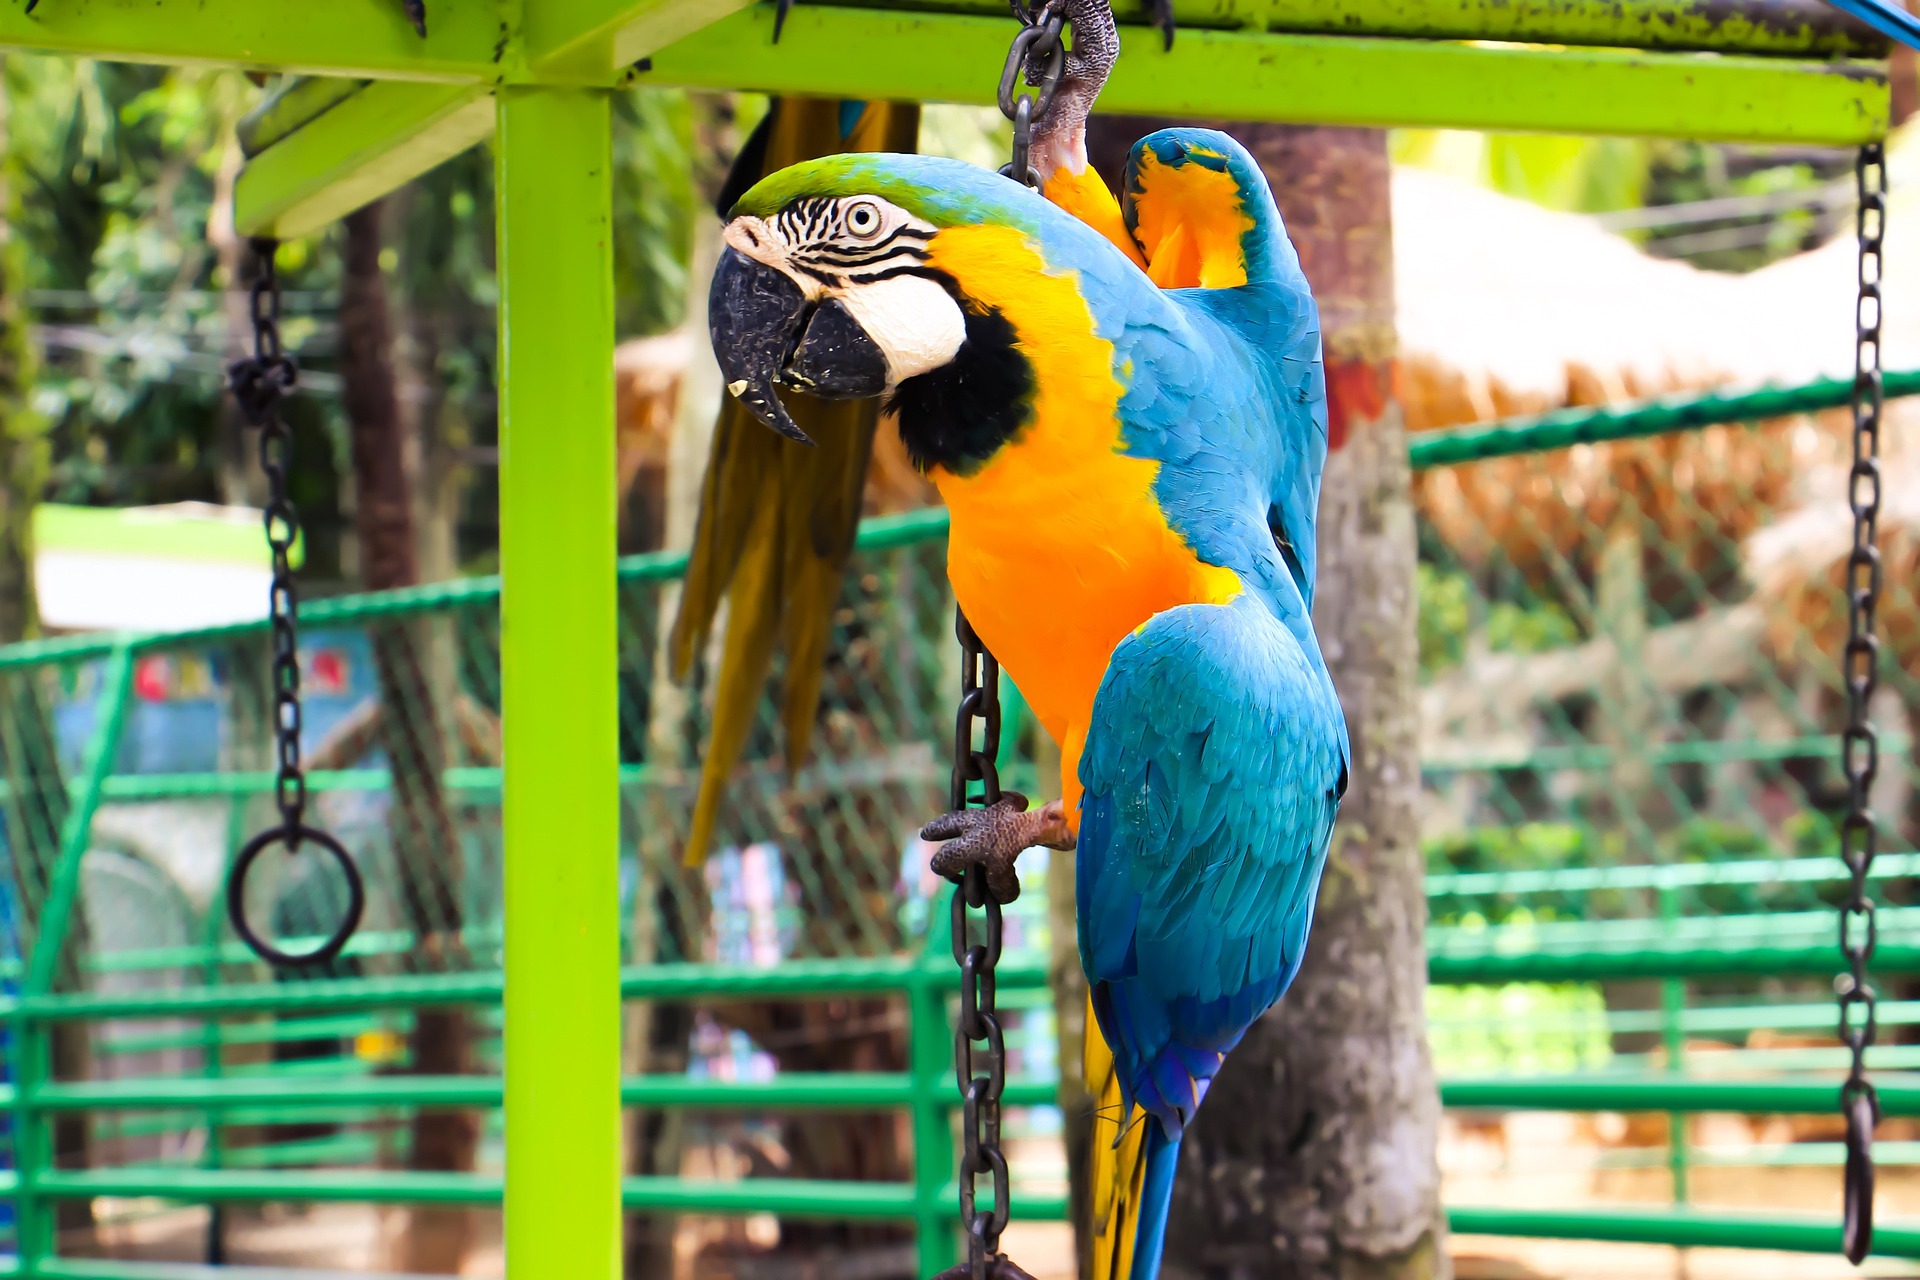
column 1133, row 473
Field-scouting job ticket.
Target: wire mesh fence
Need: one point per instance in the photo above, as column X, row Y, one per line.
column 1628, row 704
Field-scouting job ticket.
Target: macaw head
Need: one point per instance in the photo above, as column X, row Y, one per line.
column 831, row 283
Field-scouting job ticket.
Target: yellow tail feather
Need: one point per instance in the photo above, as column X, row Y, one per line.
column 1116, row 1164
column 777, row 518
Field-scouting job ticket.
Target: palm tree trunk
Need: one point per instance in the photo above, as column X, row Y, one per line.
column 1314, row 1158
column 425, row 845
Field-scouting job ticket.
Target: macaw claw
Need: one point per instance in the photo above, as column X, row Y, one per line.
column 1163, row 18
column 417, row 15
column 993, row 838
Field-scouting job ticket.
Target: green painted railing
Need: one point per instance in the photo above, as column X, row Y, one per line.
column 1564, row 428
column 1786, row 943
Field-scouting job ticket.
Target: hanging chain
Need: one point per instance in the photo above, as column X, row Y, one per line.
column 1859, row 745
column 260, row 382
column 263, row 380
column 979, row 1021
column 979, row 1042
column 1039, row 44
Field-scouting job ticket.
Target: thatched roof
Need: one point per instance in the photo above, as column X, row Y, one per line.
column 1507, row 308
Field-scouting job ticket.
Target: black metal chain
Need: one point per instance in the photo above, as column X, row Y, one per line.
column 1041, row 44
column 259, row 382
column 979, row 1022
column 978, row 1039
column 1859, row 745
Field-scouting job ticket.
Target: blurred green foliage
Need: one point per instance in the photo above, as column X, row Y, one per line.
column 1574, row 175
column 125, row 173
column 1606, row 175
column 1520, row 1028
column 1451, row 609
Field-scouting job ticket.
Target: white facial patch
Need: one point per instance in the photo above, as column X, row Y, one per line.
column 762, row 241
column 917, row 324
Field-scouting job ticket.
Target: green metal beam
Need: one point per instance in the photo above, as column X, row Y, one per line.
column 785, row 1197
column 883, row 1201
column 1663, row 875
column 560, row 813
column 595, row 40
column 296, row 101
column 55, row 916
column 1603, row 1092
column 861, row 1091
column 1682, row 1227
column 1678, row 961
column 126, row 1269
column 1790, row 27
column 368, row 39
column 565, row 39
column 822, row 979
column 1564, row 428
column 386, row 134
column 869, row 1091
column 1308, row 79
column 799, row 1091
column 792, row 979
column 378, row 139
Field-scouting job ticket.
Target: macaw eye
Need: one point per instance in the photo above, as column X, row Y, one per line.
column 863, row 219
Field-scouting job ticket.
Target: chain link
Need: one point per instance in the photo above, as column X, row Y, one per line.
column 1040, row 44
column 978, row 1040
column 260, row 382
column 1859, row 745
column 977, row 1033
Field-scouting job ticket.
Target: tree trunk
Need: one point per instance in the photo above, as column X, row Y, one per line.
column 24, row 450
column 1315, row 1154
column 425, row 846
column 242, row 483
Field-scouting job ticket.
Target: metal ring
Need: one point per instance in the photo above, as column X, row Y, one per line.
column 1856, row 1233
column 293, row 837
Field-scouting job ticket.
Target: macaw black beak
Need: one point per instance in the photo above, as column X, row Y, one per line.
column 765, row 333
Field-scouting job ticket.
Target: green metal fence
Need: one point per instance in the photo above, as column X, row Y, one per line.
column 1629, row 767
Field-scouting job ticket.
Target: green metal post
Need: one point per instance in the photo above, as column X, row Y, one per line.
column 1673, row 1004
column 559, row 700
column 63, row 893
column 212, row 1047
column 930, row 1063
column 33, row 1223
column 1673, row 1008
column 33, row 1145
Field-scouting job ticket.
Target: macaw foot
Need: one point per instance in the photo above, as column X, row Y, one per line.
column 1059, row 135
column 994, row 837
column 998, row 1268
column 417, row 15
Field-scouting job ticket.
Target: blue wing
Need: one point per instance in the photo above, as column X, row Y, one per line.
column 1213, row 766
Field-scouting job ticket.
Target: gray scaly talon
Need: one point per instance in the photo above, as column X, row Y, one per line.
column 1059, row 136
column 994, row 837
column 1163, row 18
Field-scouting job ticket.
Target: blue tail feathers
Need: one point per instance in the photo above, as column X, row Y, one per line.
column 1156, row 1196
